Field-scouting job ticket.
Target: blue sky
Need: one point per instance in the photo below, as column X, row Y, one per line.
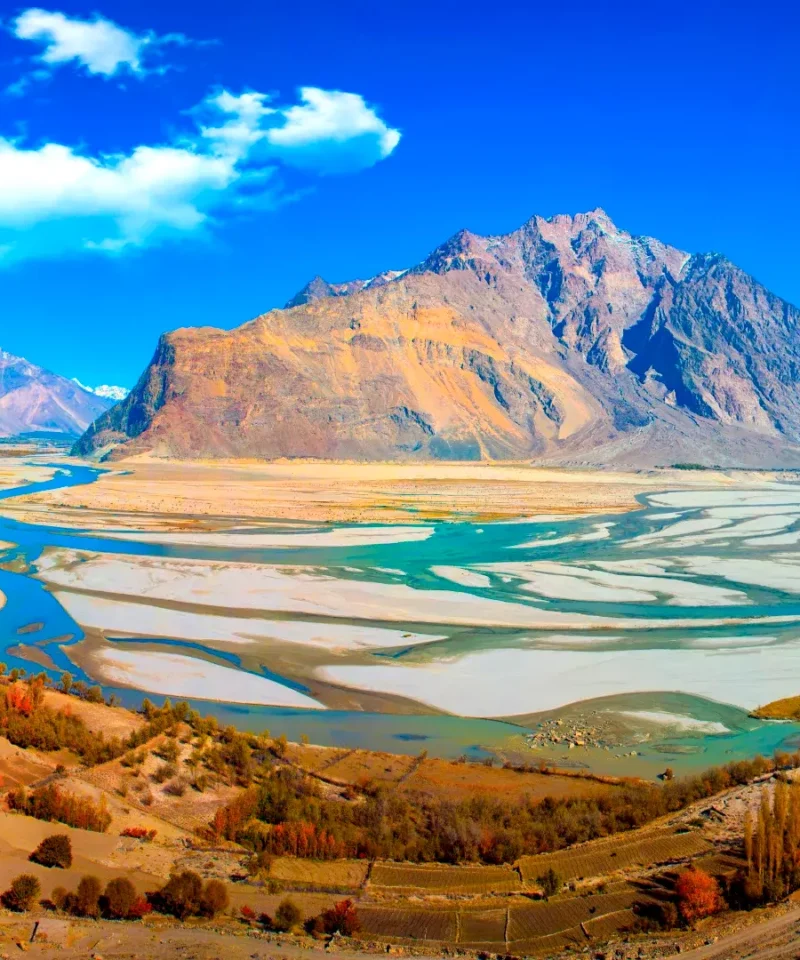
column 188, row 163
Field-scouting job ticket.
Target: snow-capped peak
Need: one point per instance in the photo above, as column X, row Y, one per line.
column 104, row 390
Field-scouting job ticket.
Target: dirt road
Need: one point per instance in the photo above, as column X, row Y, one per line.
column 775, row 939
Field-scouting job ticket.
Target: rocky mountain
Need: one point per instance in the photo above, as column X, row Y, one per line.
column 35, row 400
column 567, row 340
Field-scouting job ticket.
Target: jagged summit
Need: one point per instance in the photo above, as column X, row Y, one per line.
column 567, row 339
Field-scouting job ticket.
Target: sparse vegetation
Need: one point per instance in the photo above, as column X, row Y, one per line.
column 300, row 828
column 50, row 803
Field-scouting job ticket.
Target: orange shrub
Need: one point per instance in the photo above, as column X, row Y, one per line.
column 698, row 895
column 18, row 698
column 139, row 833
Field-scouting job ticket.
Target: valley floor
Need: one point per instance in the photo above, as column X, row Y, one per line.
column 146, row 492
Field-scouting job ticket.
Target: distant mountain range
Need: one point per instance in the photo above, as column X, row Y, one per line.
column 34, row 400
column 565, row 341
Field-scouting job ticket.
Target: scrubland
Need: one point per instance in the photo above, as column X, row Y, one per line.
column 304, row 841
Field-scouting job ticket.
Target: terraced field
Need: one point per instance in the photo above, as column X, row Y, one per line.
column 321, row 874
column 398, row 877
column 598, row 858
column 493, row 925
column 478, row 927
column 409, row 923
column 540, row 919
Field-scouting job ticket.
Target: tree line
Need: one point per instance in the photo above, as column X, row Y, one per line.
column 287, row 814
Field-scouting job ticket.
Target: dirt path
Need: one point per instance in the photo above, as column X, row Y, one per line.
column 775, row 939
column 80, row 939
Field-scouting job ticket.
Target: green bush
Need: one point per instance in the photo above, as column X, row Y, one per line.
column 54, row 851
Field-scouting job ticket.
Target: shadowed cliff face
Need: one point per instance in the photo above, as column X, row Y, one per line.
column 33, row 399
column 567, row 339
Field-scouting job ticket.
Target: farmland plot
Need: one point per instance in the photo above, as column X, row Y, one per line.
column 409, row 923
column 554, row 916
column 602, row 928
column 482, row 926
column 349, row 874
column 398, row 877
column 603, row 857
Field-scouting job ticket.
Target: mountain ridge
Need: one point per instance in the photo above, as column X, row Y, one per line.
column 33, row 399
column 567, row 339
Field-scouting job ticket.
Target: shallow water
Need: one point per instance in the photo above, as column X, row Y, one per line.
column 652, row 575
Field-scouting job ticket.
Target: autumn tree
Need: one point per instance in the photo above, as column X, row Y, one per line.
column 120, row 896
column 214, row 898
column 342, row 918
column 88, row 897
column 182, row 894
column 23, row 892
column 698, row 895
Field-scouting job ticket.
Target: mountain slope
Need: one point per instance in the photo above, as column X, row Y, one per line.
column 34, row 399
column 567, row 340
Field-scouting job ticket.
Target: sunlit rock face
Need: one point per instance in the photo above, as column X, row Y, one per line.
column 567, row 340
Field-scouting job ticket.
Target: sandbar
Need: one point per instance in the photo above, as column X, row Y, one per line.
column 176, row 675
column 677, row 721
column 150, row 620
column 311, row 590
column 505, row 682
column 341, row 537
column 572, row 582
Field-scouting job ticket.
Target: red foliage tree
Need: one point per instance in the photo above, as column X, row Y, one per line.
column 698, row 895
column 18, row 698
column 342, row 918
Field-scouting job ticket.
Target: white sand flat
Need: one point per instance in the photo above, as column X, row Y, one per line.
column 779, row 573
column 339, row 537
column 676, row 721
column 151, row 620
column 570, row 581
column 505, row 682
column 464, row 578
column 176, row 675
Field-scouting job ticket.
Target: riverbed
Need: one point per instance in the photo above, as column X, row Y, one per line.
column 457, row 637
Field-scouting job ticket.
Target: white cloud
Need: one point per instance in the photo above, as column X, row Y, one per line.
column 56, row 199
column 99, row 46
column 242, row 119
column 331, row 132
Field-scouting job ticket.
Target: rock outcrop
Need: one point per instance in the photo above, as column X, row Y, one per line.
column 568, row 340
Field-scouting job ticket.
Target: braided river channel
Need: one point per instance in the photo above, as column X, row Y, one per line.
column 619, row 644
